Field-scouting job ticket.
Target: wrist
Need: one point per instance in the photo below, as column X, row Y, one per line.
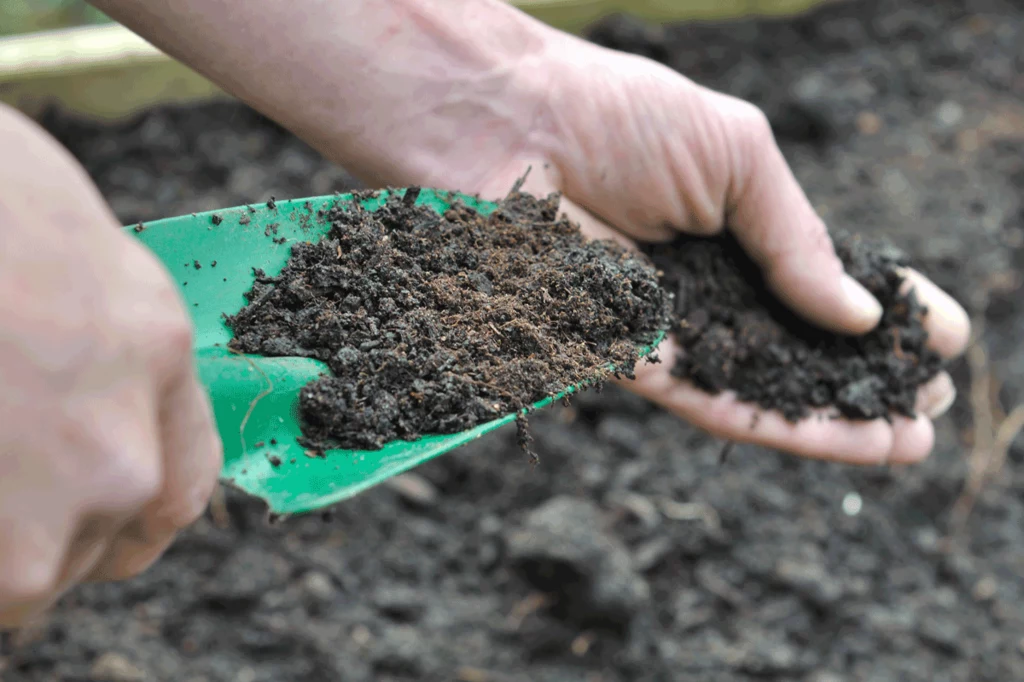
column 387, row 89
column 467, row 74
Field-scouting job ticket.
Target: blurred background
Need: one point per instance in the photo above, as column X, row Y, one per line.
column 27, row 16
column 899, row 117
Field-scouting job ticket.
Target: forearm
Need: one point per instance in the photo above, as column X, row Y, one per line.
column 379, row 86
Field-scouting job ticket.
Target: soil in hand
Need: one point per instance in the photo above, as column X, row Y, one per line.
column 433, row 324
column 734, row 334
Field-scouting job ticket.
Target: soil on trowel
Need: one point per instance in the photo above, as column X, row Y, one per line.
column 734, row 334
column 433, row 324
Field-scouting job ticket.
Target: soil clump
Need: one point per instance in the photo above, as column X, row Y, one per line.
column 734, row 334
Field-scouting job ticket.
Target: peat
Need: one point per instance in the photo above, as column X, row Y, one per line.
column 434, row 324
column 734, row 334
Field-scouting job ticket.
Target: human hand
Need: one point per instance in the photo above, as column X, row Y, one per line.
column 107, row 445
column 466, row 94
column 642, row 152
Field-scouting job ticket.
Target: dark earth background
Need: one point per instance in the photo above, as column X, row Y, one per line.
column 902, row 118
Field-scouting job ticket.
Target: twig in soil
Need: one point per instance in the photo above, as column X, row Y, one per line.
column 726, row 451
column 218, row 501
column 527, row 607
column 983, row 435
column 1009, row 429
column 993, row 434
column 520, row 181
column 260, row 396
column 581, row 645
column 693, row 511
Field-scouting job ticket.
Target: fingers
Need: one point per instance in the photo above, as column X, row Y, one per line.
column 188, row 450
column 819, row 436
column 592, row 227
column 936, row 397
column 29, row 575
column 192, row 452
column 913, row 440
column 773, row 219
column 192, row 459
column 947, row 323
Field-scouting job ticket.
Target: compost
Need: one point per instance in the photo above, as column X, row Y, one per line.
column 734, row 334
column 433, row 324
column 900, row 118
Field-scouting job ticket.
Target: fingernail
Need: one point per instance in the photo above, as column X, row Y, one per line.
column 944, row 314
column 940, row 408
column 937, row 396
column 859, row 299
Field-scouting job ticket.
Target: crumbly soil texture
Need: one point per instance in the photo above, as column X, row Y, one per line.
column 733, row 333
column 630, row 554
column 434, row 324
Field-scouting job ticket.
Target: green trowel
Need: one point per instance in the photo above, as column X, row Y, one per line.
column 255, row 399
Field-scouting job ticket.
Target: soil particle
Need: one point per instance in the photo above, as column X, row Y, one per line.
column 414, row 490
column 434, row 324
column 562, row 548
column 318, row 586
column 734, row 334
column 402, row 651
column 399, row 602
column 113, row 667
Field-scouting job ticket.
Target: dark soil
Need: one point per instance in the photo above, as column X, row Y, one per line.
column 435, row 324
column 734, row 334
column 902, row 118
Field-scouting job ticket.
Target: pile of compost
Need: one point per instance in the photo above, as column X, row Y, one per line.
column 733, row 333
column 433, row 324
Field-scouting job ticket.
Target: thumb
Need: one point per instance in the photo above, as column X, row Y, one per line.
column 772, row 218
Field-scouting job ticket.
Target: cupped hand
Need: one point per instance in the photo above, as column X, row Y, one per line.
column 640, row 152
column 107, row 445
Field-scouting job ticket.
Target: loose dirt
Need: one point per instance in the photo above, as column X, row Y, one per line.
column 733, row 333
column 433, row 324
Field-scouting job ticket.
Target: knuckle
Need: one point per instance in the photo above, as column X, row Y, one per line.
column 132, row 479
column 185, row 504
column 755, row 124
column 704, row 226
column 24, row 586
column 182, row 513
column 194, row 502
column 176, row 338
column 169, row 344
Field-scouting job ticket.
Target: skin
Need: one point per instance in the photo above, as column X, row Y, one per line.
column 107, row 447
column 461, row 94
